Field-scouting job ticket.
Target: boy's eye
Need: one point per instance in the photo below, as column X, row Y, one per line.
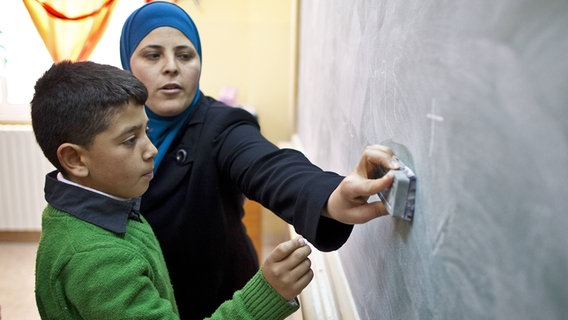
column 130, row 141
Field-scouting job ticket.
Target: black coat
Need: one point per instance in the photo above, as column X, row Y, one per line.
column 194, row 203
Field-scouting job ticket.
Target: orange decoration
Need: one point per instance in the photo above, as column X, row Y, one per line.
column 70, row 29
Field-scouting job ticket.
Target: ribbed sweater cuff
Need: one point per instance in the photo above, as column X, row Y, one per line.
column 264, row 302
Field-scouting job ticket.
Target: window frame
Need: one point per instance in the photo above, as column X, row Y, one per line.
column 106, row 52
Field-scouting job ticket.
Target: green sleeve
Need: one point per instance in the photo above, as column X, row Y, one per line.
column 108, row 283
column 257, row 300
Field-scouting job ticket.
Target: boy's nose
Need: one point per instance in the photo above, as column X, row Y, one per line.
column 151, row 151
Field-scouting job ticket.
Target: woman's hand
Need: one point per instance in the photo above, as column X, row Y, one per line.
column 348, row 202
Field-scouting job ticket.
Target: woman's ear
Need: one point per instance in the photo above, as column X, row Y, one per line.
column 71, row 158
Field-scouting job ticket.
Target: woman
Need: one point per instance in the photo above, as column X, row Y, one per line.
column 210, row 156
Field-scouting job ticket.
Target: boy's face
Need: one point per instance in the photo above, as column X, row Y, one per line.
column 121, row 159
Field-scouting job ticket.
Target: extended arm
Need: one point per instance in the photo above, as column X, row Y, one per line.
column 348, row 202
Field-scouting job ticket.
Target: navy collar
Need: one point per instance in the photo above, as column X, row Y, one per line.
column 98, row 209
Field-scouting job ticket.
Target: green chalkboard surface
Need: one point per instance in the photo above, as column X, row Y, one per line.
column 473, row 94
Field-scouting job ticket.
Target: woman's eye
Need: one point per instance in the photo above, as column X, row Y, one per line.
column 152, row 55
column 186, row 56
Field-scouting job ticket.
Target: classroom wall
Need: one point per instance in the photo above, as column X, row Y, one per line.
column 472, row 95
column 250, row 45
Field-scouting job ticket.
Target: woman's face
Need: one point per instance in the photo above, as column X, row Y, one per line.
column 169, row 66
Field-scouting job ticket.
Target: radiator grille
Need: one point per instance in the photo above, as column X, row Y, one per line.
column 22, row 173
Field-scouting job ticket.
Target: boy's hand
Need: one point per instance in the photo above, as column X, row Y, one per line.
column 287, row 268
column 348, row 202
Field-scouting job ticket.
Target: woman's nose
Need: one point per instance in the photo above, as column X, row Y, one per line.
column 170, row 64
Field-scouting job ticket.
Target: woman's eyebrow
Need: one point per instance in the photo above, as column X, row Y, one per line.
column 185, row 46
column 154, row 46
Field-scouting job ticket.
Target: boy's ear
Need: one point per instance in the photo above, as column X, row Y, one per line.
column 71, row 158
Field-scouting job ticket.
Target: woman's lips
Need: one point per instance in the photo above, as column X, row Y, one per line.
column 170, row 88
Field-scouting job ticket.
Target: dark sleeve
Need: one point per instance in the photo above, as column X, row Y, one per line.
column 282, row 180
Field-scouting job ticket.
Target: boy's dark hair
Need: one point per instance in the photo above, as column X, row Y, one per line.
column 75, row 101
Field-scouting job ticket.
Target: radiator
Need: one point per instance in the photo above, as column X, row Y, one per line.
column 22, row 174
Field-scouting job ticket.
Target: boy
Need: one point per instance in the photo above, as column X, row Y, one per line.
column 98, row 257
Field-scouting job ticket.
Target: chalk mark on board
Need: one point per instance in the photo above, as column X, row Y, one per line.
column 396, row 112
column 435, row 118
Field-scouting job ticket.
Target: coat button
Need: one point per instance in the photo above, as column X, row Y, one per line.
column 181, row 156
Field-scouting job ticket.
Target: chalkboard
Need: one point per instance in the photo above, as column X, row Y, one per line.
column 474, row 96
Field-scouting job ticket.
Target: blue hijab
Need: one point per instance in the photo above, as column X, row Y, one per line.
column 141, row 22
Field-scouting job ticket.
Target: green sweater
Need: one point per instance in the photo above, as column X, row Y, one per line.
column 86, row 272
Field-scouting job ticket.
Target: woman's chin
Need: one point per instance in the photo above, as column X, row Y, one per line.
column 169, row 110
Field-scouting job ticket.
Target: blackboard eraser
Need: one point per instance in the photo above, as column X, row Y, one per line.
column 399, row 198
